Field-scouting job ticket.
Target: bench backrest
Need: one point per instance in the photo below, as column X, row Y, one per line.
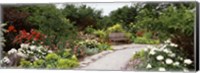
column 117, row 36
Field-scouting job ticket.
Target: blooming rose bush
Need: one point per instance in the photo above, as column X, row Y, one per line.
column 164, row 58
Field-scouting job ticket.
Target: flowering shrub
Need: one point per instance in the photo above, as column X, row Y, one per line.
column 32, row 56
column 26, row 51
column 164, row 58
column 27, row 37
column 90, row 47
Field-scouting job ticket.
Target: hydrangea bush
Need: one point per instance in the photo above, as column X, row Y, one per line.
column 165, row 57
column 26, row 51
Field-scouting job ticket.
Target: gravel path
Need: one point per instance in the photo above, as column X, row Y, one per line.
column 116, row 60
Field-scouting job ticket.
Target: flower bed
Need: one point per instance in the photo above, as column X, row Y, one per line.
column 163, row 58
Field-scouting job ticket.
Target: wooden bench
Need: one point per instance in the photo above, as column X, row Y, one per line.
column 117, row 37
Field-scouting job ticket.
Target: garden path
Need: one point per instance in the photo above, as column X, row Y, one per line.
column 115, row 60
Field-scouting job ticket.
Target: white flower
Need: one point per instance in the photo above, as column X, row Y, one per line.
column 35, row 58
column 149, row 47
column 180, row 58
column 33, row 47
column 13, row 50
column 40, row 47
column 187, row 61
column 149, row 66
column 176, row 63
column 161, row 69
column 173, row 45
column 163, row 47
column 167, row 51
column 33, row 42
column 172, row 55
column 168, row 41
column 185, row 70
column 21, row 54
column 159, row 57
column 154, row 48
column 168, row 61
column 145, row 49
column 152, row 52
column 30, row 52
column 24, row 45
column 50, row 51
column 6, row 60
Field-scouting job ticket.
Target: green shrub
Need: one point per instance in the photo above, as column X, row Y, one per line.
column 65, row 63
column 100, row 33
column 143, row 40
column 90, row 47
column 39, row 63
column 104, row 46
column 51, row 61
column 139, row 54
column 25, row 64
column 89, row 30
column 115, row 28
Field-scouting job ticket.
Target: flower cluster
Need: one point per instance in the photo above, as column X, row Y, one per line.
column 26, row 51
column 25, row 36
column 166, row 57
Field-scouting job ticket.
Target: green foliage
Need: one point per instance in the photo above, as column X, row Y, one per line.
column 144, row 40
column 89, row 30
column 115, row 28
column 66, row 63
column 52, row 56
column 174, row 20
column 140, row 55
column 51, row 61
column 90, row 47
column 39, row 64
column 100, row 33
column 46, row 17
column 125, row 16
column 25, row 64
column 104, row 46
column 83, row 16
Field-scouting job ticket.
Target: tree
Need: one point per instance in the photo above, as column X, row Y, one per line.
column 175, row 21
column 82, row 16
column 51, row 21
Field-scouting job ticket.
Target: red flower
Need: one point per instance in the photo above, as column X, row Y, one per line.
column 11, row 28
column 33, row 32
